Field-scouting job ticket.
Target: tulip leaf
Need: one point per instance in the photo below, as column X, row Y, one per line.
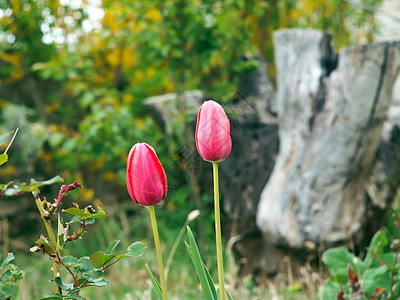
column 156, row 284
column 194, row 254
column 210, row 282
column 85, row 214
column 111, row 248
column 229, row 295
column 99, row 259
column 3, row 158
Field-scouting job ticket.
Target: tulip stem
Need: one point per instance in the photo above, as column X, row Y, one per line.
column 158, row 250
column 218, row 233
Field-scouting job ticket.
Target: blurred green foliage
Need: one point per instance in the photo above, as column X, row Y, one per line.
column 74, row 76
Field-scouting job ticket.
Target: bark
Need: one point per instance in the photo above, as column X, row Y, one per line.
column 334, row 177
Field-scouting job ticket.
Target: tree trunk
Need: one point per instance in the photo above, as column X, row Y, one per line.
column 333, row 178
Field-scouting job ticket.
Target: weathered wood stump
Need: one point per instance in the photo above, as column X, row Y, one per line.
column 334, row 178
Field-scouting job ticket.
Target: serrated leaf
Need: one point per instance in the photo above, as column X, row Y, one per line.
column 98, row 282
column 99, row 259
column 3, row 158
column 85, row 214
column 63, row 286
column 10, row 257
column 156, row 284
column 111, row 248
column 71, row 261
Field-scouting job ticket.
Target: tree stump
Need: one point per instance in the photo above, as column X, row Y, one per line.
column 334, row 178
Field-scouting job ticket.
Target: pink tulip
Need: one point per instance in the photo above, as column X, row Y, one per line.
column 145, row 177
column 213, row 139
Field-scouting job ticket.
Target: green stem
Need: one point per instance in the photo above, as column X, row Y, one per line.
column 158, row 250
column 218, row 233
column 53, row 241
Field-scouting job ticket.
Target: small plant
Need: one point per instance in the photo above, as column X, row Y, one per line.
column 374, row 277
column 85, row 271
column 9, row 275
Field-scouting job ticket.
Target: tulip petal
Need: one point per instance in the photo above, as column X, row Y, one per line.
column 212, row 135
column 145, row 176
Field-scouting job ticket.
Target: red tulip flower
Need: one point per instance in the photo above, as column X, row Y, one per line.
column 145, row 177
column 213, row 138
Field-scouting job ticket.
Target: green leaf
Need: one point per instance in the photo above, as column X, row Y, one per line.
column 229, row 295
column 337, row 259
column 329, row 290
column 111, row 248
column 71, row 261
column 10, row 257
column 211, row 282
column 32, row 187
column 63, row 286
column 156, row 284
column 3, row 158
column 98, row 282
column 99, row 259
column 93, row 275
column 75, row 220
column 134, row 250
column 53, row 297
column 87, row 265
column 376, row 277
column 60, row 232
column 4, row 138
column 194, row 254
column 8, row 291
column 85, row 214
column 375, row 249
column 47, row 247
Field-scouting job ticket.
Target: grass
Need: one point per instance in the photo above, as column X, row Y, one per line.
column 129, row 279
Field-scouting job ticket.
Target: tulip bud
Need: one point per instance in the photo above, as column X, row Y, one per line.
column 213, row 139
column 145, row 177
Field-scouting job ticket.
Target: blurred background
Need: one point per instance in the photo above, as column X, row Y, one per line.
column 79, row 80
